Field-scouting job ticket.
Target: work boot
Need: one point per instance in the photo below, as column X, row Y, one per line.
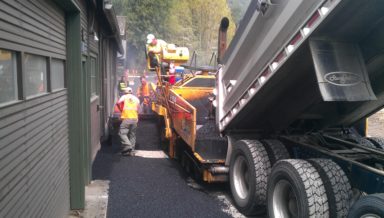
column 129, row 154
column 126, row 151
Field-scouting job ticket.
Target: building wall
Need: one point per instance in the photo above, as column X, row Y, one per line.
column 90, row 26
column 84, row 21
column 376, row 124
column 95, row 128
column 44, row 133
column 109, row 79
column 34, row 174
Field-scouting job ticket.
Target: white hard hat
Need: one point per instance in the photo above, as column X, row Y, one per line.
column 128, row 90
column 150, row 37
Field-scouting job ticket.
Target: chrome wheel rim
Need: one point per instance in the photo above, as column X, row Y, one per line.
column 370, row 215
column 285, row 202
column 241, row 177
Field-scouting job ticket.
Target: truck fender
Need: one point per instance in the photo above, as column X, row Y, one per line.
column 231, row 141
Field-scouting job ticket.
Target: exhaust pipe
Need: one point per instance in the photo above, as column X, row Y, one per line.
column 219, row 169
column 222, row 44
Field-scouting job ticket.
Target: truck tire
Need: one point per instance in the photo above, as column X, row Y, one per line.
column 361, row 141
column 368, row 206
column 295, row 189
column 248, row 173
column 276, row 150
column 337, row 186
column 365, row 142
column 377, row 141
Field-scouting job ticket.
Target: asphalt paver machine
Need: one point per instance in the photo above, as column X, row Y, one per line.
column 186, row 118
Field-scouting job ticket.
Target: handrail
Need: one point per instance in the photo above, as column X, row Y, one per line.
column 193, row 59
column 213, row 57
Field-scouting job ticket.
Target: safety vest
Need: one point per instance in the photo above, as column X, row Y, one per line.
column 143, row 90
column 130, row 108
column 122, row 86
column 157, row 49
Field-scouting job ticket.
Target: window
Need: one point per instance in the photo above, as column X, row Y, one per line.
column 57, row 74
column 93, row 76
column 8, row 76
column 35, row 75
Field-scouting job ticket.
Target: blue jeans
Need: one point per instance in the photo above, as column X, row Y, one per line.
column 127, row 134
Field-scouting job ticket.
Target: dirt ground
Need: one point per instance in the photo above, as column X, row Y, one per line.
column 376, row 124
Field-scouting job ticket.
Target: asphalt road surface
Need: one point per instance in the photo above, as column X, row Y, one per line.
column 151, row 185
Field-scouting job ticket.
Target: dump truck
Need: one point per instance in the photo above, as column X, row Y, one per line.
column 295, row 83
column 291, row 92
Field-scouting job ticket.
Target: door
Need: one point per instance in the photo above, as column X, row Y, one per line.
column 95, row 108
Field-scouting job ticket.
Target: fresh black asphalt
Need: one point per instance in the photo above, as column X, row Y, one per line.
column 148, row 187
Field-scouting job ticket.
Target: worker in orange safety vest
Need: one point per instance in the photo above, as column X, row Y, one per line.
column 129, row 106
column 144, row 94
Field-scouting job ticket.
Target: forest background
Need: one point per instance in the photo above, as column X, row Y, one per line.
column 190, row 23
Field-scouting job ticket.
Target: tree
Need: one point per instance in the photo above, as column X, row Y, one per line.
column 190, row 23
column 180, row 26
column 195, row 24
column 143, row 17
column 238, row 8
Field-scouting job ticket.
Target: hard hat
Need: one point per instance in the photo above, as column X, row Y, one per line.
column 150, row 37
column 128, row 90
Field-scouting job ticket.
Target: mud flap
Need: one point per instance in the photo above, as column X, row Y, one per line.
column 340, row 71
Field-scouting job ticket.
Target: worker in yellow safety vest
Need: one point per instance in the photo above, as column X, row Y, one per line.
column 128, row 105
column 122, row 85
column 155, row 49
column 144, row 94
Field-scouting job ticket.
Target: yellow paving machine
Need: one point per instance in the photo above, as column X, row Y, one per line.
column 183, row 103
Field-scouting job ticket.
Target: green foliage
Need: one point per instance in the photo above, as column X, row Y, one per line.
column 206, row 17
column 190, row 23
column 143, row 17
column 180, row 26
column 146, row 16
column 238, row 8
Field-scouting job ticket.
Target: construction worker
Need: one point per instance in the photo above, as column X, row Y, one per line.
column 122, row 85
column 129, row 106
column 144, row 93
column 171, row 76
column 154, row 50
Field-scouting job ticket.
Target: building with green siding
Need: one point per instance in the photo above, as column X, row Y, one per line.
column 57, row 89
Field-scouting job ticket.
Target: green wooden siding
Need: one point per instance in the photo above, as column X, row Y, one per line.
column 34, row 157
column 34, row 140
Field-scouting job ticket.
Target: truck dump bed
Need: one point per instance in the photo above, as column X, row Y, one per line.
column 304, row 64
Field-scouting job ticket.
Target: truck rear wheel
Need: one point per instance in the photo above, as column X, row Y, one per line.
column 248, row 173
column 361, row 141
column 276, row 150
column 377, row 141
column 295, row 189
column 370, row 206
column 337, row 186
